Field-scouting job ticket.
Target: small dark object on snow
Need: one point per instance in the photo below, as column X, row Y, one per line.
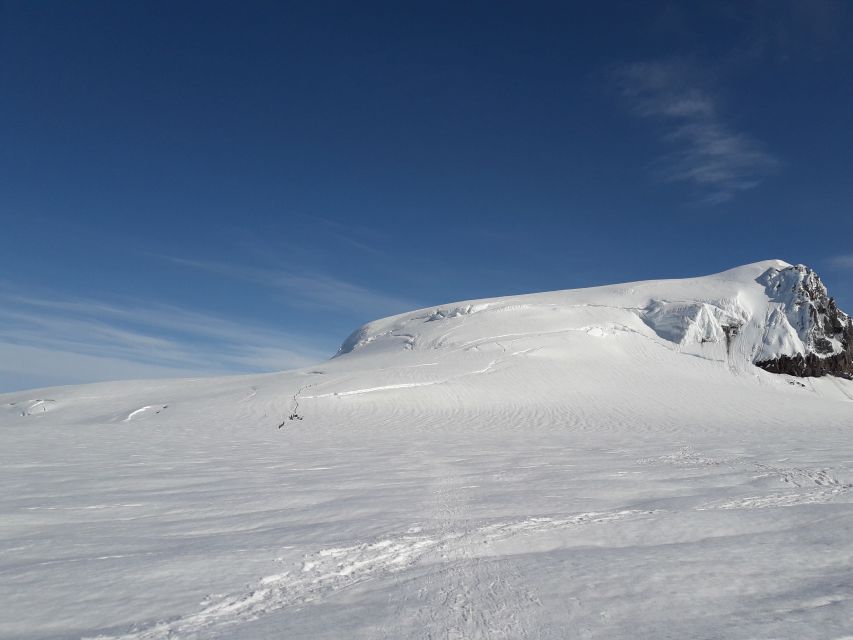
column 292, row 416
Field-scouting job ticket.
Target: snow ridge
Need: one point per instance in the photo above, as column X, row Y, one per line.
column 770, row 314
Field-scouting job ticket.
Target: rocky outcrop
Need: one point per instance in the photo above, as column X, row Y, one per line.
column 812, row 365
column 825, row 331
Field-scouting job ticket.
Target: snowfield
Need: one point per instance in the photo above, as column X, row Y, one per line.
column 598, row 463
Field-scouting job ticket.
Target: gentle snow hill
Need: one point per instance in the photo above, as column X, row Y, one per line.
column 603, row 463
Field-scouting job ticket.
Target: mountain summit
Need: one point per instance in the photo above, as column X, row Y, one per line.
column 823, row 342
column 770, row 314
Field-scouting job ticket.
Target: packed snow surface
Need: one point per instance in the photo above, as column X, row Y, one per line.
column 597, row 463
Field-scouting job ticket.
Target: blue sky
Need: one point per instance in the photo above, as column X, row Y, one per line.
column 203, row 188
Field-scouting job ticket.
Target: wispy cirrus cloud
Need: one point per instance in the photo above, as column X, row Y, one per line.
column 309, row 289
column 844, row 262
column 49, row 339
column 706, row 151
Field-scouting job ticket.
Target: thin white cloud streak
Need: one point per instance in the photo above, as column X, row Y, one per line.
column 708, row 153
column 166, row 317
column 53, row 340
column 309, row 290
column 26, row 366
column 345, row 235
column 842, row 262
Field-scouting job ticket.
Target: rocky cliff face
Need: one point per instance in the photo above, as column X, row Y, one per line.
column 825, row 331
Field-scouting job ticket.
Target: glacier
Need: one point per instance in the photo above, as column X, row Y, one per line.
column 628, row 461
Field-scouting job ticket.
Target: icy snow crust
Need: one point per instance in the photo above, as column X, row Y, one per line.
column 600, row 463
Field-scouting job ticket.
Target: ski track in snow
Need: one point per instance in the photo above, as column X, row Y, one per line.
column 817, row 485
column 480, row 602
column 467, row 593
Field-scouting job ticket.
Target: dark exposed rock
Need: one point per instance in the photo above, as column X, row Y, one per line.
column 822, row 345
column 730, row 331
column 812, row 365
column 825, row 330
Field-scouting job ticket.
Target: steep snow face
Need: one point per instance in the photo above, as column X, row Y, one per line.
column 761, row 313
column 807, row 334
column 809, row 312
column 687, row 323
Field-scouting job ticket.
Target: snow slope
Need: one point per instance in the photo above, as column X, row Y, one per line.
column 597, row 463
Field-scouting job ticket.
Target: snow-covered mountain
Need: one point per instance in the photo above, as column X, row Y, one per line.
column 771, row 314
column 630, row 461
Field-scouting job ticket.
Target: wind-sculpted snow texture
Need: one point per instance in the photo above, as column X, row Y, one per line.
column 600, row 463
